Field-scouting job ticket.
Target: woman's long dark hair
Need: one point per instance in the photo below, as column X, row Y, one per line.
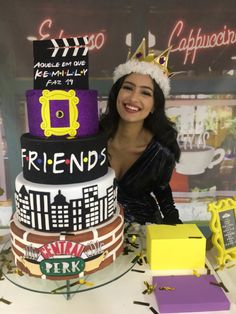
column 157, row 122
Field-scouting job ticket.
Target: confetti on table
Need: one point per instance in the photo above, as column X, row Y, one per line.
column 5, row 301
column 150, row 288
column 141, row 303
column 153, row 310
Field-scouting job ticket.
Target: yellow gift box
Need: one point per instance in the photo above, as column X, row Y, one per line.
column 180, row 246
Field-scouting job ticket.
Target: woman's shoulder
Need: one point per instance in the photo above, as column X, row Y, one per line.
column 163, row 149
column 160, row 145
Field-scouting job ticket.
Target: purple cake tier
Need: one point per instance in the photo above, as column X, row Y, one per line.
column 72, row 113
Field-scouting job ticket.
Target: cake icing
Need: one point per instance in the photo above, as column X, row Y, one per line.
column 98, row 247
column 62, row 113
column 63, row 161
column 67, row 222
column 65, row 207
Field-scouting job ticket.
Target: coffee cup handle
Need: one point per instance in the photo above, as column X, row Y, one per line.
column 221, row 153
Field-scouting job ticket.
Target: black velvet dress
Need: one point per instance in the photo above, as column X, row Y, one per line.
column 144, row 190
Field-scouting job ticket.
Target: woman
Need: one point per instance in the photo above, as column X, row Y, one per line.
column 142, row 146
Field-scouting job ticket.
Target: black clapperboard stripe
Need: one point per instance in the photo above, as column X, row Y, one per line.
column 69, row 46
column 61, row 63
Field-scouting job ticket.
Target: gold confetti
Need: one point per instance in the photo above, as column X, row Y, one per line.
column 167, row 288
column 150, row 288
column 196, row 273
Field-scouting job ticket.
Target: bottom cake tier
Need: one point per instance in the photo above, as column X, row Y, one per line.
column 64, row 256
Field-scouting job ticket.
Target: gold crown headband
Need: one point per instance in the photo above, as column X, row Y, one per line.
column 143, row 63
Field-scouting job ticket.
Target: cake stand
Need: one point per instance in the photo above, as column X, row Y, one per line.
column 131, row 255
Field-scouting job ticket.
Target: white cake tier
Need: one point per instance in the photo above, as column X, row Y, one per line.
column 69, row 207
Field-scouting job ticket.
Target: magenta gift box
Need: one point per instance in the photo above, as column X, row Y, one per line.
column 190, row 294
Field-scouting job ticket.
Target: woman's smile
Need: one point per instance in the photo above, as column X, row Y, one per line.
column 131, row 108
column 135, row 98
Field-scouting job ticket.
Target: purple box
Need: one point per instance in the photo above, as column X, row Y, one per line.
column 189, row 294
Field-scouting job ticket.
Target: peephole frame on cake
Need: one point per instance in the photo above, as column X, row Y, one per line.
column 57, row 96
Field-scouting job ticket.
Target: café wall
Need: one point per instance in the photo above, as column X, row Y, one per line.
column 203, row 37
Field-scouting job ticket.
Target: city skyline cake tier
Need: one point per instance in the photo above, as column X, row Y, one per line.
column 67, row 222
column 69, row 207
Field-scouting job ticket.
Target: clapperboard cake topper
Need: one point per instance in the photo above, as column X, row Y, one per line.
column 61, row 63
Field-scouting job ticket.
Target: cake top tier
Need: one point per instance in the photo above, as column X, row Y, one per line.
column 61, row 103
column 61, row 63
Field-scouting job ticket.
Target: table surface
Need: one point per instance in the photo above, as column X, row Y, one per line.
column 114, row 298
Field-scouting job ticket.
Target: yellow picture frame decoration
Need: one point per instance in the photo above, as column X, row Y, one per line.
column 73, row 100
column 223, row 227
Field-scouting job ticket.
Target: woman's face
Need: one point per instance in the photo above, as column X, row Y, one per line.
column 135, row 99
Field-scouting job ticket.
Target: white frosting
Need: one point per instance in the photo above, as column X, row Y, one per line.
column 49, row 207
column 70, row 191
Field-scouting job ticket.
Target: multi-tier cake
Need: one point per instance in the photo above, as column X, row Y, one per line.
column 67, row 221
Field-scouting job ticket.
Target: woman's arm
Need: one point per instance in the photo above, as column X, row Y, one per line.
column 166, row 203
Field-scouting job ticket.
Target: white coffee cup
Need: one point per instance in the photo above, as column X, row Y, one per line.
column 196, row 160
